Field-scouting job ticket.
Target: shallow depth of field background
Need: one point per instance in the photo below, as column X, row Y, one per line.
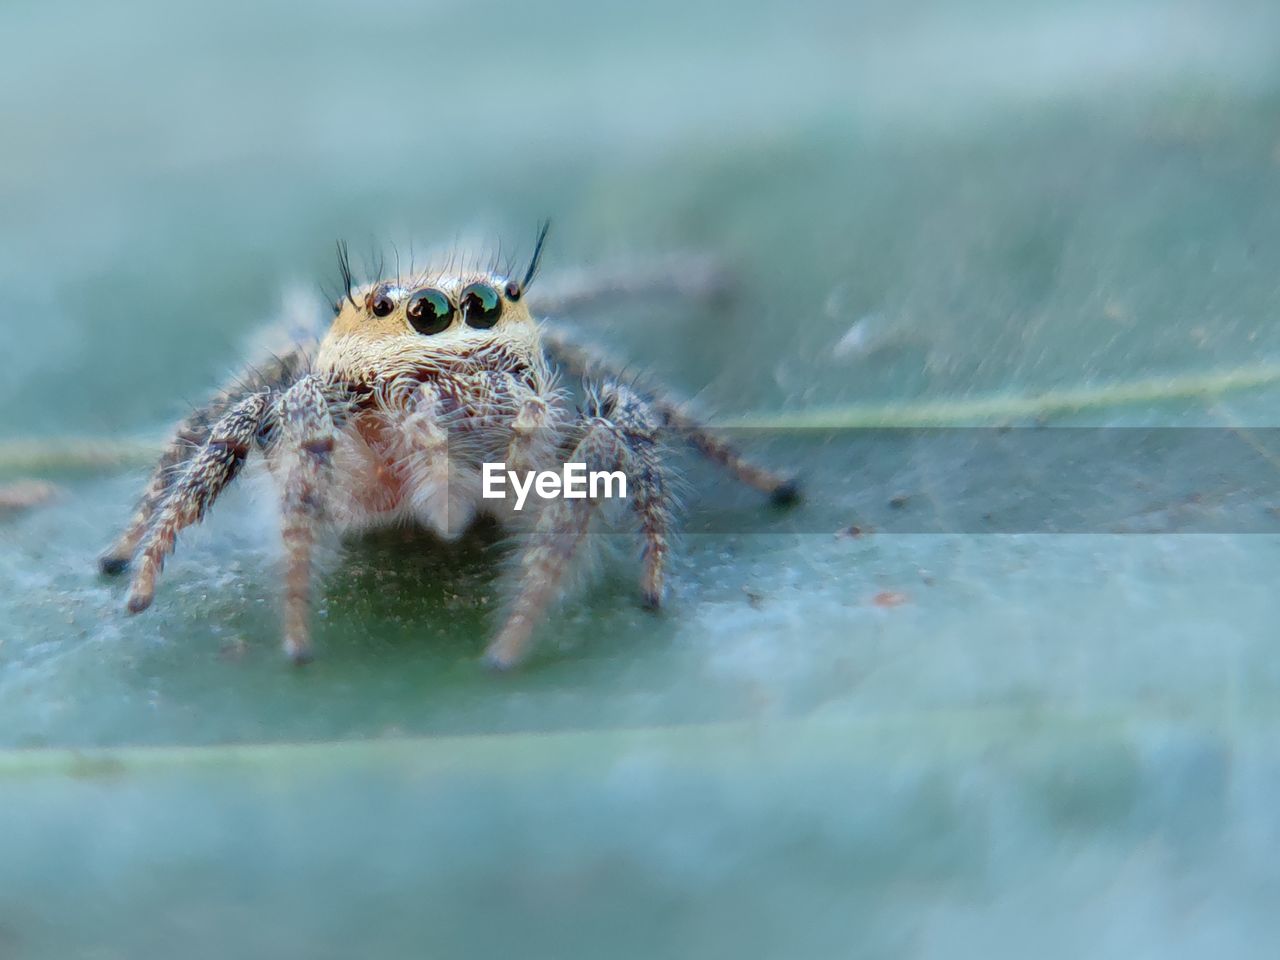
column 1059, row 746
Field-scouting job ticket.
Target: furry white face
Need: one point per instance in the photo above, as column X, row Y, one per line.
column 447, row 308
column 444, row 309
column 432, row 320
column 431, row 325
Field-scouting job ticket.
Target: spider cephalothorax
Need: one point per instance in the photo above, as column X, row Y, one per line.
column 419, row 381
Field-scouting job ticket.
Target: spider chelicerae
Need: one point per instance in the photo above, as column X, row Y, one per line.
column 390, row 415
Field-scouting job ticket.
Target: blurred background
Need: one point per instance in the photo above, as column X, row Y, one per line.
column 830, row 745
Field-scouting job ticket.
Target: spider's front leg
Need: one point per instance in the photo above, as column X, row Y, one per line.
column 187, row 498
column 618, row 432
column 188, row 441
column 302, row 447
column 441, row 484
column 535, row 423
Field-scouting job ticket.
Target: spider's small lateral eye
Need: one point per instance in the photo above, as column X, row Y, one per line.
column 429, row 311
column 481, row 305
column 513, row 290
column 379, row 304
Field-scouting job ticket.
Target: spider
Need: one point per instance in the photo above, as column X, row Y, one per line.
column 419, row 380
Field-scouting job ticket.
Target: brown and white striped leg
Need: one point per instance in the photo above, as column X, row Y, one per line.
column 188, row 438
column 619, row 433
column 652, row 504
column 535, row 429
column 440, row 485
column 584, row 362
column 203, row 477
column 304, row 447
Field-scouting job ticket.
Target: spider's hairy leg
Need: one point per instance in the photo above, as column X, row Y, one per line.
column 652, row 504
column 619, row 432
column 304, row 446
column 440, row 487
column 695, row 276
column 188, row 438
column 204, row 476
column 535, row 429
column 585, row 362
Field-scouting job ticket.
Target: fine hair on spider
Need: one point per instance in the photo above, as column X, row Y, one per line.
column 421, row 379
column 344, row 266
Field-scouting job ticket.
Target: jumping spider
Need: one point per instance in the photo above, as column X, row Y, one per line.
column 389, row 416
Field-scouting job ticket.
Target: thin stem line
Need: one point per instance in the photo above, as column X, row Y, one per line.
column 30, row 456
column 1002, row 408
column 730, row 744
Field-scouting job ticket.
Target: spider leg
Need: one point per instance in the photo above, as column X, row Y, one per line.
column 535, row 428
column 440, row 483
column 585, row 362
column 619, row 432
column 695, row 276
column 304, row 447
column 202, row 478
column 652, row 504
column 188, row 438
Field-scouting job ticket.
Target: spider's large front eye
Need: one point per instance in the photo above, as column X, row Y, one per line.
column 481, row 305
column 429, row 311
column 379, row 304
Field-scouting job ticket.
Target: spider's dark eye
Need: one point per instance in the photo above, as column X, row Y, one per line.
column 513, row 290
column 379, row 304
column 481, row 305
column 429, row 311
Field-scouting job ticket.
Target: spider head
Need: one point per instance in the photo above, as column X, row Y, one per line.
column 416, row 324
column 440, row 311
column 411, row 323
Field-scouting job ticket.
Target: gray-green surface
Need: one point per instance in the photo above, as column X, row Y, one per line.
column 1058, row 746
